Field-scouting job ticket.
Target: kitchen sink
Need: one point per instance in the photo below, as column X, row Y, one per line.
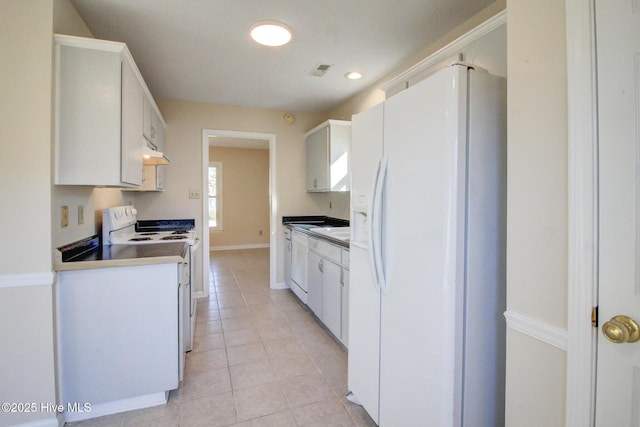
column 340, row 233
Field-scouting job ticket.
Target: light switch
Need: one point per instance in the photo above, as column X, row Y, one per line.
column 194, row 193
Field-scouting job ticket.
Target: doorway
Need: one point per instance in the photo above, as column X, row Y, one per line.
column 246, row 139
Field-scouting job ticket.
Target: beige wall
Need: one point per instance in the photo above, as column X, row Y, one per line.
column 537, row 192
column 26, row 300
column 245, row 196
column 184, row 146
column 537, row 207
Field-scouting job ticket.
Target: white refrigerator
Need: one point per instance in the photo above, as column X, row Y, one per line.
column 427, row 272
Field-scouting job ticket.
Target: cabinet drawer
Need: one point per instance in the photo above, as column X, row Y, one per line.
column 326, row 250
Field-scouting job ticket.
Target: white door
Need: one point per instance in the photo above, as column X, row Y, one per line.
column 618, row 51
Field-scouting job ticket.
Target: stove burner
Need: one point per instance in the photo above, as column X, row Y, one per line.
column 180, row 232
column 173, row 237
column 148, row 234
column 139, row 239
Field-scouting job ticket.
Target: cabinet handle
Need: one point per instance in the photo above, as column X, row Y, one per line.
column 342, row 277
column 321, row 266
column 315, row 183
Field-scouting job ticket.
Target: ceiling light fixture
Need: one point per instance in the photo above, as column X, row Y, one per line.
column 353, row 75
column 270, row 33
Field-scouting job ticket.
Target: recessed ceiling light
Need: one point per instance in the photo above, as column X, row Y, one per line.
column 353, row 75
column 270, row 33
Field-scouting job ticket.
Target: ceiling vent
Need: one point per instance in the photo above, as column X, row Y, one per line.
column 320, row 70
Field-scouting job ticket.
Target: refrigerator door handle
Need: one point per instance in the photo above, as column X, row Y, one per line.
column 377, row 228
column 371, row 225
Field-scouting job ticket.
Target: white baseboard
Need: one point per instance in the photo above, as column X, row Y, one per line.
column 48, row 422
column 239, row 247
column 534, row 328
column 27, row 279
column 102, row 409
column 281, row 285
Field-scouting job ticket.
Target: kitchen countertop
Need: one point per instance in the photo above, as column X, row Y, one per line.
column 98, row 256
column 305, row 223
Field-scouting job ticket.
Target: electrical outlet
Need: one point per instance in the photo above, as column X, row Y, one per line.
column 64, row 216
column 80, row 214
column 194, row 193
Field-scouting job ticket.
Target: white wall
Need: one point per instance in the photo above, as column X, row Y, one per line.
column 537, row 208
column 26, row 321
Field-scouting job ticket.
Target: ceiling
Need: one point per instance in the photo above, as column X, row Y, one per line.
column 200, row 50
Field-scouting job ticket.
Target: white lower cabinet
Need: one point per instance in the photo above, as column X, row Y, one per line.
column 328, row 297
column 332, row 298
column 315, row 266
column 344, row 337
column 109, row 322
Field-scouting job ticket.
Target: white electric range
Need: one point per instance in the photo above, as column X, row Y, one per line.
column 121, row 226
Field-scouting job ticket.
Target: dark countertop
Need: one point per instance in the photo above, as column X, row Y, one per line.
column 315, row 221
column 119, row 255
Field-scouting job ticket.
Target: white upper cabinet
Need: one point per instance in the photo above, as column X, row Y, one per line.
column 327, row 156
column 153, row 128
column 132, row 111
column 99, row 114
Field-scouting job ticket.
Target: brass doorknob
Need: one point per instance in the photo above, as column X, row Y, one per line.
column 621, row 329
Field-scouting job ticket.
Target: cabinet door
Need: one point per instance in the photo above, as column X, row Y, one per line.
column 339, row 147
column 132, row 119
column 344, row 336
column 88, row 85
column 318, row 160
column 314, row 281
column 159, row 178
column 159, row 135
column 147, row 122
column 332, row 297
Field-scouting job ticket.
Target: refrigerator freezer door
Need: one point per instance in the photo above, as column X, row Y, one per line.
column 423, row 251
column 364, row 333
column 366, row 152
column 364, row 295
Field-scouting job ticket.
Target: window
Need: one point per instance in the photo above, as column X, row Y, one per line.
column 215, row 196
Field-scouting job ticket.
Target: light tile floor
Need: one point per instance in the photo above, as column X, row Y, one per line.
column 259, row 359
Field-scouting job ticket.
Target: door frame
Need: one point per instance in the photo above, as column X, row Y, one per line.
column 583, row 212
column 206, row 135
